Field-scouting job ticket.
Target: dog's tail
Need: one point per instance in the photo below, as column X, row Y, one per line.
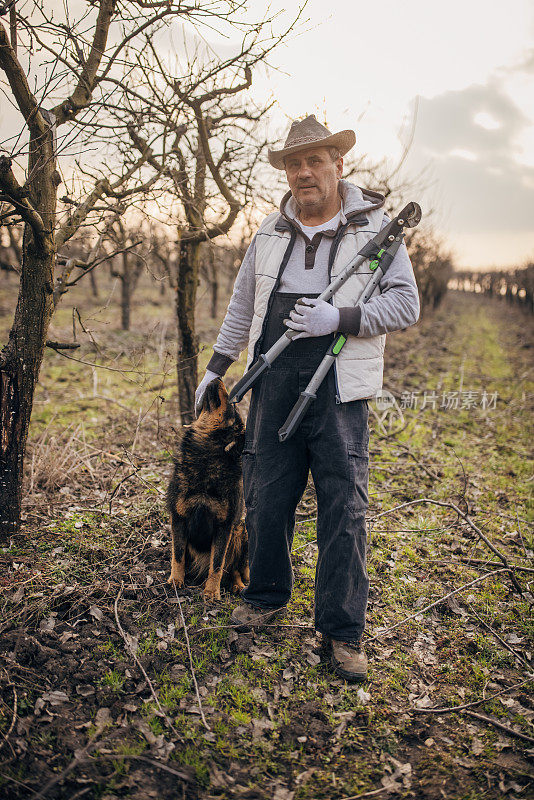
column 199, row 533
column 200, row 518
column 200, row 528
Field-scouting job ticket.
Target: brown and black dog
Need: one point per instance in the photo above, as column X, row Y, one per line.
column 205, row 498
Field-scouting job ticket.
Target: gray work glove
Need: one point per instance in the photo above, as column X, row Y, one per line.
column 313, row 317
column 201, row 388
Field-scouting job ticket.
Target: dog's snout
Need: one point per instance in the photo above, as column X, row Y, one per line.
column 214, row 395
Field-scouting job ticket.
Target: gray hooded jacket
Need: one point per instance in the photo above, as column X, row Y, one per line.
column 308, row 271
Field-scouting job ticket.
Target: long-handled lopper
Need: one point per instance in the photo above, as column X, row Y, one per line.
column 380, row 250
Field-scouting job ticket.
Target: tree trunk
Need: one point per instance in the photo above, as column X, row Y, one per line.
column 186, row 365
column 126, row 294
column 20, row 360
column 214, row 298
column 214, row 283
column 94, row 284
column 125, row 304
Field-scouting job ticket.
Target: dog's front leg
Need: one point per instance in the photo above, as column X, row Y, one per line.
column 241, row 574
column 212, row 589
column 178, row 546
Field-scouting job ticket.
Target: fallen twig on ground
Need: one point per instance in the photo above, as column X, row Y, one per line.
column 14, row 780
column 193, row 675
column 229, row 626
column 13, row 719
column 469, row 521
column 131, row 651
column 436, row 603
column 152, row 761
column 379, row 421
column 372, row 793
column 501, row 640
column 483, row 563
column 445, row 709
column 500, row 725
column 78, row 758
column 117, row 487
column 418, row 461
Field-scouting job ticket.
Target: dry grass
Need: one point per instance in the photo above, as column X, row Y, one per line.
column 58, row 458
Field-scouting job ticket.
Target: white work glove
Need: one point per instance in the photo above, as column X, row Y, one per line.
column 201, row 388
column 316, row 318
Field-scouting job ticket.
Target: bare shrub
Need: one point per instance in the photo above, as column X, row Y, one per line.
column 432, row 264
column 58, row 458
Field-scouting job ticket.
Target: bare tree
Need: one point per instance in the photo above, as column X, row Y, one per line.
column 202, row 134
column 514, row 285
column 433, row 266
column 130, row 265
column 82, row 70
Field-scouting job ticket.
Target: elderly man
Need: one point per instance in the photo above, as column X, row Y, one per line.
column 322, row 224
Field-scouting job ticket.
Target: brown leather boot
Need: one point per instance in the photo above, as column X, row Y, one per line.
column 245, row 617
column 349, row 660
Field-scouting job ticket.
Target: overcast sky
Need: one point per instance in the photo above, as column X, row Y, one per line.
column 471, row 64
column 459, row 74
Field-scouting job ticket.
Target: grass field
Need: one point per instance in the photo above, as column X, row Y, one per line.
column 99, row 696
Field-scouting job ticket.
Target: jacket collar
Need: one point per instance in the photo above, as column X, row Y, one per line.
column 354, row 203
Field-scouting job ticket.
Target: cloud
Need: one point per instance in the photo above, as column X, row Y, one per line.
column 525, row 64
column 469, row 140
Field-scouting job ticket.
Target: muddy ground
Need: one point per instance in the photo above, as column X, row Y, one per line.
column 112, row 686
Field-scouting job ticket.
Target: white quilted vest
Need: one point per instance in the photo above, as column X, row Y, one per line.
column 360, row 365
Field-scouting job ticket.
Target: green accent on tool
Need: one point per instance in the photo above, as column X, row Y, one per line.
column 339, row 344
column 376, row 261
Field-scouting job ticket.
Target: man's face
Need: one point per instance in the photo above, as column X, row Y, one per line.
column 313, row 177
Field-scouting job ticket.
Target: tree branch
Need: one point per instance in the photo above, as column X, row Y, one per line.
column 226, row 90
column 215, row 172
column 83, row 91
column 62, row 345
column 15, row 195
column 90, row 266
column 150, row 21
column 73, row 223
column 178, row 176
column 26, row 100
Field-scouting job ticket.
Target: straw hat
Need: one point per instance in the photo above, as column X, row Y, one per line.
column 307, row 133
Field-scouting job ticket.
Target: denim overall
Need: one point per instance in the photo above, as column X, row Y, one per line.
column 333, row 441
